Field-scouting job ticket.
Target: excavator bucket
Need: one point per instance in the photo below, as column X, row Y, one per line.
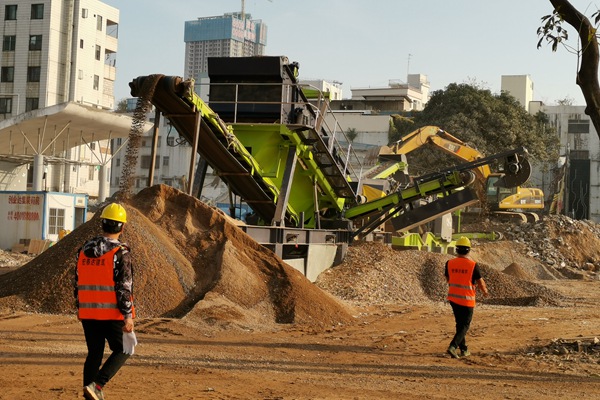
column 517, row 171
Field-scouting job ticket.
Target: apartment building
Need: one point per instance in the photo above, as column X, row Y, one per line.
column 54, row 52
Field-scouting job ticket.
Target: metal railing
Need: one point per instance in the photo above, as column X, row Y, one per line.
column 283, row 103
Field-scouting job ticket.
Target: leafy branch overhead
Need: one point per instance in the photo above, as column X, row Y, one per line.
column 554, row 33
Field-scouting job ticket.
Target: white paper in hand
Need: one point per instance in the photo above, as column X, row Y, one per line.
column 129, row 342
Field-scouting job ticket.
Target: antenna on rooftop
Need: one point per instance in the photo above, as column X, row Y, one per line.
column 408, row 66
column 244, row 8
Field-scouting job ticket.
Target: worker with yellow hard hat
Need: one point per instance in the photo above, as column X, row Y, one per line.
column 104, row 295
column 462, row 275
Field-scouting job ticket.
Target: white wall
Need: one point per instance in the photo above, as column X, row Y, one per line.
column 25, row 215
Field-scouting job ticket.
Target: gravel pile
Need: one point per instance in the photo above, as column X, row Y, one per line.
column 374, row 273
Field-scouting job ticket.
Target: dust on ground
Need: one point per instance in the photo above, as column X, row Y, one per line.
column 222, row 318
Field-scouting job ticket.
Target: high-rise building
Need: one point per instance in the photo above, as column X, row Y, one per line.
column 230, row 35
column 57, row 52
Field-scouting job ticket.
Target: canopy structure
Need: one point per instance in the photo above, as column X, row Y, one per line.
column 45, row 135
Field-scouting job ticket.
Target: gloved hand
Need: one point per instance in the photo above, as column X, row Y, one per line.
column 129, row 342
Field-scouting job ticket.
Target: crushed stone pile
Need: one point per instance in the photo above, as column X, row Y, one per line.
column 567, row 248
column 191, row 262
column 374, row 273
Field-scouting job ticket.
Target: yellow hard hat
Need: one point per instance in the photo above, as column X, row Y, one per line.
column 463, row 241
column 114, row 212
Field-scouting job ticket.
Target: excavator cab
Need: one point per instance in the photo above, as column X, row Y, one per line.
column 496, row 192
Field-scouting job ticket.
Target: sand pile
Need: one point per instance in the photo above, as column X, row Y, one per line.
column 189, row 260
column 514, row 269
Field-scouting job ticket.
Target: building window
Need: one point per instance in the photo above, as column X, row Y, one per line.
column 32, row 103
column 96, row 82
column 7, row 74
column 118, row 162
column 99, row 22
column 33, row 74
column 37, row 11
column 10, row 12
column 93, row 145
column 170, row 141
column 579, row 155
column 579, row 126
column 81, row 43
column 119, row 141
column 91, row 170
column 165, row 161
column 145, row 162
column 8, row 44
column 98, row 52
column 35, row 42
column 5, row 105
column 56, row 220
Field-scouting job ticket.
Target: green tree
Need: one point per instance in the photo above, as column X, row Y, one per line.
column 488, row 122
column 588, row 53
column 121, row 106
column 351, row 134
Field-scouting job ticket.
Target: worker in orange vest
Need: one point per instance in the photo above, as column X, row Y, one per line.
column 104, row 294
column 462, row 274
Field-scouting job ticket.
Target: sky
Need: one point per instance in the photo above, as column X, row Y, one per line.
column 368, row 43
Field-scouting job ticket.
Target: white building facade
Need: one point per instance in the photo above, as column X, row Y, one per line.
column 53, row 52
column 577, row 172
column 519, row 86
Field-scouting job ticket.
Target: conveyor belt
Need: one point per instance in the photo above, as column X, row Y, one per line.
column 212, row 145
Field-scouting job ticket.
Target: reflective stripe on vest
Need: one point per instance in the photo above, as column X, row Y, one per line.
column 97, row 297
column 460, row 287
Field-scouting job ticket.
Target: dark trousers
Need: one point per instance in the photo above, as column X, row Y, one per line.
column 463, row 316
column 96, row 333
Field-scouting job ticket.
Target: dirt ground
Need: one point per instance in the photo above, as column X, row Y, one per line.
column 375, row 327
column 391, row 352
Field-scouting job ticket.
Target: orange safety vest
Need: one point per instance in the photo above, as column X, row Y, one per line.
column 460, row 283
column 96, row 287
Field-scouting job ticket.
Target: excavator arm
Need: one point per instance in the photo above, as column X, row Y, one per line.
column 439, row 138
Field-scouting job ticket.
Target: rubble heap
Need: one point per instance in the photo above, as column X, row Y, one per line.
column 568, row 248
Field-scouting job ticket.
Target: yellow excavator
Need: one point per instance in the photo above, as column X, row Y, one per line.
column 502, row 197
